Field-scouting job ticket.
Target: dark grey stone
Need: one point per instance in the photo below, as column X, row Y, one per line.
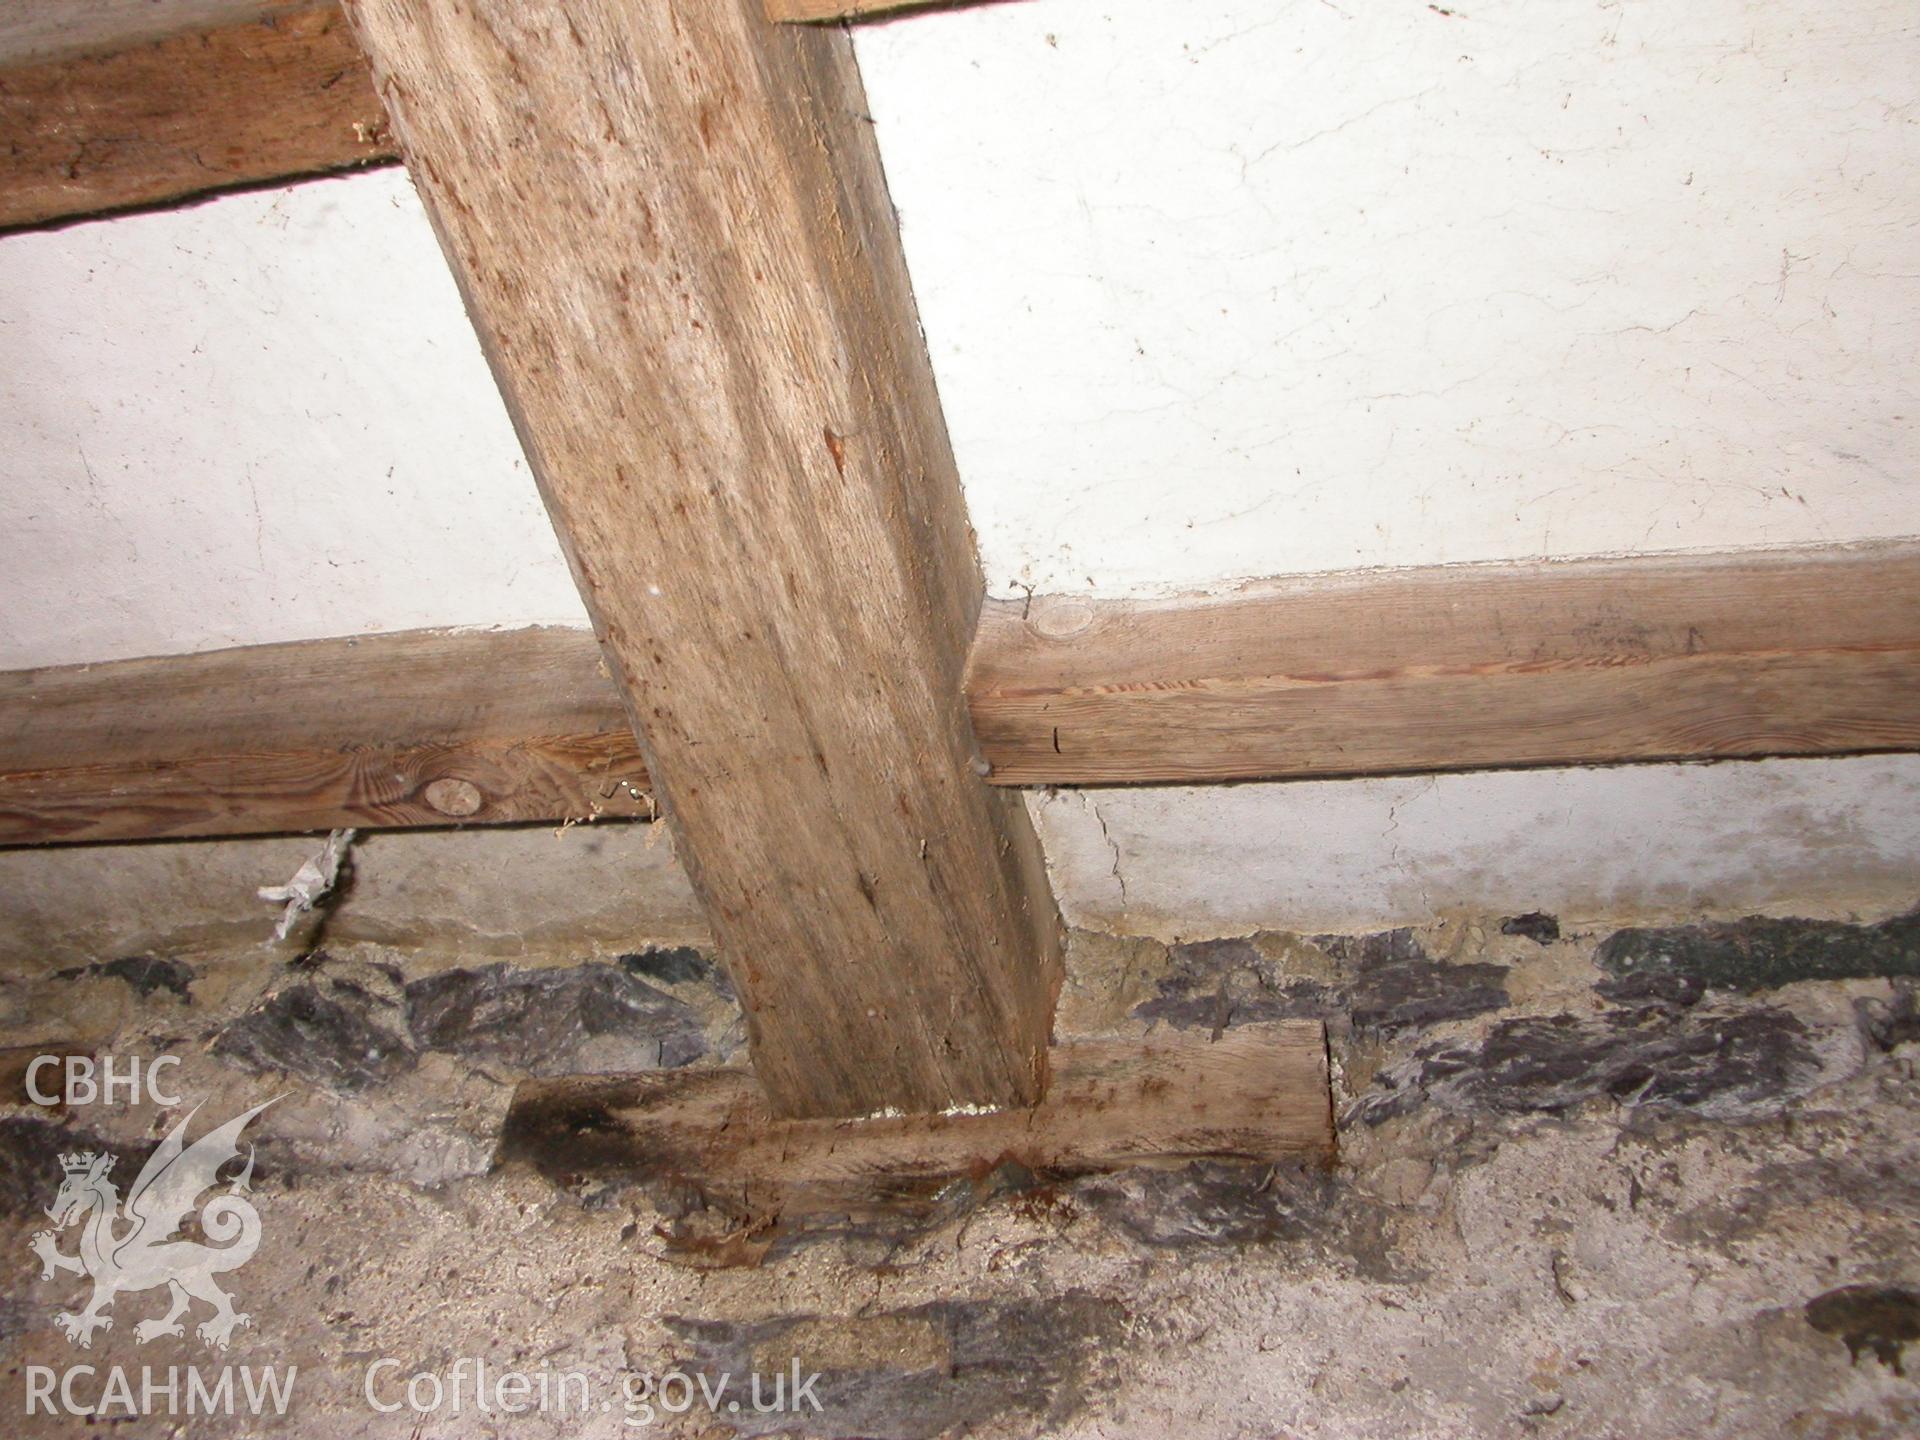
column 328, row 1029
column 1387, row 983
column 1655, row 1059
column 1397, row 986
column 1761, row 954
column 1216, row 984
column 144, row 973
column 1652, row 987
column 542, row 1021
column 1891, row 1022
column 676, row 965
column 1535, row 925
column 31, row 1148
column 1021, row 1366
column 1882, row 1318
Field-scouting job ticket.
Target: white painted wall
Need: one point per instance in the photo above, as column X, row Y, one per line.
column 1229, row 288
column 1213, row 291
column 263, row 418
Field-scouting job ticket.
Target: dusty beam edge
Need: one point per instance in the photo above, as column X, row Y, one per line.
column 141, row 120
column 415, row 728
column 1260, row 1092
column 1794, row 652
column 808, row 11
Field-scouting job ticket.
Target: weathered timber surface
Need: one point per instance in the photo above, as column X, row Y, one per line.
column 1259, row 1092
column 673, row 234
column 1798, row 652
column 414, row 728
column 144, row 118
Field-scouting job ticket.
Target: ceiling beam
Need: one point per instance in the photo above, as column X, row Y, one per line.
column 417, row 728
column 1672, row 657
column 671, row 228
column 140, row 116
column 1808, row 652
column 113, row 107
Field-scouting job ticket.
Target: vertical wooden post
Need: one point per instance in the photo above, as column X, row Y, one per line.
column 670, row 223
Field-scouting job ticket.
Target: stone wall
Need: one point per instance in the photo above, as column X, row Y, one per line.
column 1606, row 1181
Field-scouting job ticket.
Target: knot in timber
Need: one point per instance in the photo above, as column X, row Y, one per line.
column 1060, row 619
column 458, row 798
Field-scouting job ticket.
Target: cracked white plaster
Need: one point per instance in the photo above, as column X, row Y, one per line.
column 1642, row 841
column 258, row 419
column 1220, row 290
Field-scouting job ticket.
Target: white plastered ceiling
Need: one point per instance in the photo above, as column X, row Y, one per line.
column 1212, row 291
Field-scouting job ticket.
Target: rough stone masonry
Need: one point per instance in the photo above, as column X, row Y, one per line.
column 1593, row 1181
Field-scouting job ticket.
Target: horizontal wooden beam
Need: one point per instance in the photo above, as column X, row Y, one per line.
column 418, row 728
column 1259, row 1092
column 1787, row 653
column 109, row 108
column 142, row 118
column 1676, row 657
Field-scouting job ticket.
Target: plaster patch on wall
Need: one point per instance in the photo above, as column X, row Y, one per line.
column 1219, row 290
column 1720, row 840
column 502, row 891
column 262, row 418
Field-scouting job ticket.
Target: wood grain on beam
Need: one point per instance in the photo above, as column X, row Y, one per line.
column 671, row 227
column 1679, row 657
column 1260, row 1093
column 1790, row 653
column 144, row 120
column 422, row 728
